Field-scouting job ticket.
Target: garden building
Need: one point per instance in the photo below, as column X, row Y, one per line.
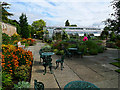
column 74, row 30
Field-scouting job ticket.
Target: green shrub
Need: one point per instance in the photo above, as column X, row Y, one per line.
column 118, row 43
column 6, row 39
column 93, row 51
column 22, row 73
column 15, row 37
column 100, row 49
column 112, row 36
column 71, row 45
column 82, row 48
column 22, row 86
column 55, row 50
column 91, row 44
column 6, row 80
column 60, row 52
column 46, row 48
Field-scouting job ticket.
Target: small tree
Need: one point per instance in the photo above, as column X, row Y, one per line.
column 74, row 25
column 24, row 26
column 67, row 23
column 39, row 24
column 64, row 35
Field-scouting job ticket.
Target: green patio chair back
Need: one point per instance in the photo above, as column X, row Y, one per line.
column 38, row 85
column 40, row 53
column 67, row 53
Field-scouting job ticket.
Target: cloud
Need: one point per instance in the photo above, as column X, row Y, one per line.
column 55, row 13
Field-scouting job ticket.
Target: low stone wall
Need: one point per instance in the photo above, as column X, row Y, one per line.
column 8, row 29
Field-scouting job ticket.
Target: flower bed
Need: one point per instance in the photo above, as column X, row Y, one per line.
column 13, row 40
column 16, row 62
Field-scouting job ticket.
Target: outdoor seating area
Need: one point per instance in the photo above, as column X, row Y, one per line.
column 49, row 68
column 62, row 62
column 44, row 48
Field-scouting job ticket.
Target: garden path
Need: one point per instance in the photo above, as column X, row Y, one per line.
column 95, row 69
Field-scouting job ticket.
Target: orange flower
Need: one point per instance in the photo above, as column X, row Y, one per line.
column 3, row 64
column 10, row 70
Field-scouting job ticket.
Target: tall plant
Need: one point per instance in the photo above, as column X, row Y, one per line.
column 24, row 26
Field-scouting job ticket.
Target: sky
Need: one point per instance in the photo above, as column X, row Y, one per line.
column 83, row 13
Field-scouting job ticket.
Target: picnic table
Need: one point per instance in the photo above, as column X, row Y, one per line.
column 47, row 61
column 80, row 85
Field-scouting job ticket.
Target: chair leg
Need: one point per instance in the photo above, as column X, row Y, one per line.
column 50, row 69
column 57, row 65
column 44, row 71
column 61, row 66
column 40, row 61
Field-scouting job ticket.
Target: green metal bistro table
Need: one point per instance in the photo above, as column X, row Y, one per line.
column 47, row 53
column 80, row 85
column 47, row 61
column 73, row 50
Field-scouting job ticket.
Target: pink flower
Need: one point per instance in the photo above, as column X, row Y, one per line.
column 85, row 38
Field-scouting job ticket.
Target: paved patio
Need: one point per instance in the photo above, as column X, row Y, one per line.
column 95, row 69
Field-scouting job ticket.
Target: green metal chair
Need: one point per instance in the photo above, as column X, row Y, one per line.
column 67, row 53
column 60, row 61
column 38, row 85
column 40, row 53
column 47, row 62
column 80, row 52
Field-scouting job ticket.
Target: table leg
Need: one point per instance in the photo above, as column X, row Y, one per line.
column 50, row 66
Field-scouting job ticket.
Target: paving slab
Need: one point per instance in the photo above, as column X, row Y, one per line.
column 65, row 76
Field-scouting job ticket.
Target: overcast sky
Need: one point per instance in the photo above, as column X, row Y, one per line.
column 87, row 13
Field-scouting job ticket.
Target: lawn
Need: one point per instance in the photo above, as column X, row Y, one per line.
column 117, row 64
column 118, row 70
column 117, row 59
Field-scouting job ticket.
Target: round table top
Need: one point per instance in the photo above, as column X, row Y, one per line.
column 48, row 53
column 80, row 85
column 72, row 48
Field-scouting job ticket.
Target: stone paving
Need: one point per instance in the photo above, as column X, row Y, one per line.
column 95, row 69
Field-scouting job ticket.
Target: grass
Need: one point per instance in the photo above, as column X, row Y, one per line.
column 117, row 59
column 116, row 64
column 118, row 70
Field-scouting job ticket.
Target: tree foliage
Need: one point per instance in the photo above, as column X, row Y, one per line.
column 24, row 26
column 39, row 24
column 5, row 13
column 114, row 25
column 67, row 23
column 74, row 25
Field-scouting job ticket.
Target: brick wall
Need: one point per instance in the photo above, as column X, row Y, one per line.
column 8, row 29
